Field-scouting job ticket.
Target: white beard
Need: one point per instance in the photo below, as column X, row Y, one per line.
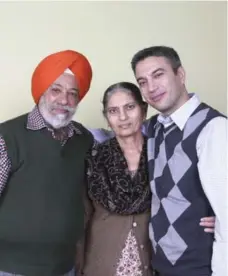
column 56, row 121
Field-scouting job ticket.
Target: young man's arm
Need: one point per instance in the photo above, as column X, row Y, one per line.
column 101, row 134
column 212, row 166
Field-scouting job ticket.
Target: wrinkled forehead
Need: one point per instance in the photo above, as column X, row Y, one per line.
column 66, row 80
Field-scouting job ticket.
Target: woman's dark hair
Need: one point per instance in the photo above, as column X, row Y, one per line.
column 128, row 86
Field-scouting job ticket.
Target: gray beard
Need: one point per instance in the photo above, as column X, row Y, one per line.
column 56, row 121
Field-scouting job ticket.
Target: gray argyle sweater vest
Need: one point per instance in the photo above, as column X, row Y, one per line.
column 41, row 208
column 180, row 245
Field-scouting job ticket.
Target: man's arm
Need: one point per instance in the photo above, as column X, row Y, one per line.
column 5, row 165
column 212, row 153
column 101, row 134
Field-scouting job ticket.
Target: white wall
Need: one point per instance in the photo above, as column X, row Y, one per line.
column 109, row 33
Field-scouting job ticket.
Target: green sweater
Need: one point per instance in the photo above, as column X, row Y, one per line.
column 41, row 208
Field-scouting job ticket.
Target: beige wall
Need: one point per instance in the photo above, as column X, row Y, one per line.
column 109, row 33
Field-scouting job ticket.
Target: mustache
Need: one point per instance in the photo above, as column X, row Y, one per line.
column 64, row 107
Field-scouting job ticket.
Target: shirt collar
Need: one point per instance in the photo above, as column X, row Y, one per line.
column 36, row 122
column 181, row 115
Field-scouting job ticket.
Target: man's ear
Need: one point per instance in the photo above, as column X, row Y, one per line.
column 181, row 74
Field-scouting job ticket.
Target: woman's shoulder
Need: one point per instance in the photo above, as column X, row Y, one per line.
column 102, row 152
column 106, row 145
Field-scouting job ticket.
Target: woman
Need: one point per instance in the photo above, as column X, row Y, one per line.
column 118, row 204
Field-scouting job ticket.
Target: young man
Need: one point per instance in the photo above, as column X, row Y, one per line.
column 42, row 172
column 187, row 150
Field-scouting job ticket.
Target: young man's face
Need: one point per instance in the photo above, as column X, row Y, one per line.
column 161, row 87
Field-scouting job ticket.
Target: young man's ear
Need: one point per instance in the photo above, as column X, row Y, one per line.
column 181, row 74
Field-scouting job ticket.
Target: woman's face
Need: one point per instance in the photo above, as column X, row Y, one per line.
column 124, row 114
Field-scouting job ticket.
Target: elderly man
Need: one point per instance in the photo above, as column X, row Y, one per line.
column 42, row 172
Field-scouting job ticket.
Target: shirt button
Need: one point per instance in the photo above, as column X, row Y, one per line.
column 134, row 224
column 141, row 246
column 145, row 267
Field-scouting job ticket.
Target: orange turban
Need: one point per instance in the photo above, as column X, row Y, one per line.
column 51, row 67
